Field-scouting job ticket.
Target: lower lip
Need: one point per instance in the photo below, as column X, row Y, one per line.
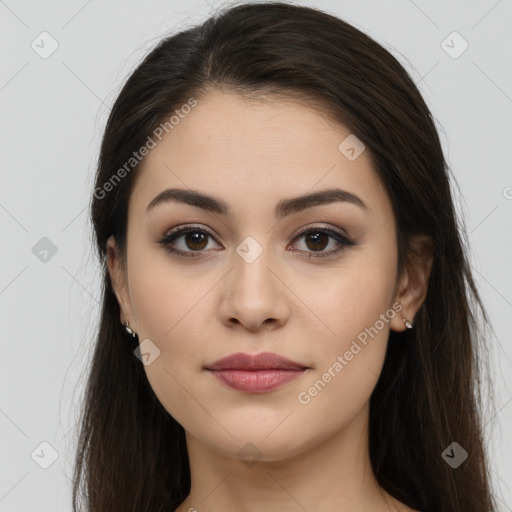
column 256, row 381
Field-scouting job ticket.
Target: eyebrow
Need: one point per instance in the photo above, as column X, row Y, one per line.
column 283, row 208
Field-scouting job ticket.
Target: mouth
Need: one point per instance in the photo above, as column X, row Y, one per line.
column 256, row 381
column 256, row 373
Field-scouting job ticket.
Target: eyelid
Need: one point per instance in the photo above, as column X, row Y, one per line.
column 182, row 229
column 340, row 236
column 179, row 231
column 324, row 228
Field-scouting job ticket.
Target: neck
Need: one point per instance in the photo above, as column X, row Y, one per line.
column 329, row 475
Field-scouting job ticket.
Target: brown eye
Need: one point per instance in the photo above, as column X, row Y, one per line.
column 190, row 241
column 196, row 240
column 186, row 241
column 318, row 239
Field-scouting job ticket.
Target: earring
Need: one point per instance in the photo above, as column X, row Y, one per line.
column 129, row 331
column 408, row 324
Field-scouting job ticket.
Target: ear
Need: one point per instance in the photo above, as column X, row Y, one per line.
column 413, row 286
column 119, row 281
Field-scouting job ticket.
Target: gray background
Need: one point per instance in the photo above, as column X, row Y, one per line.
column 53, row 112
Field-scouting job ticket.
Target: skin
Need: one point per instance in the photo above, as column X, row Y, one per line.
column 251, row 155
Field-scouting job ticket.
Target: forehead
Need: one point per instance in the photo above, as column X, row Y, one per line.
column 233, row 127
column 259, row 150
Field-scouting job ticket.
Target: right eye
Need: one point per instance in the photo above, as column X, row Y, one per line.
column 194, row 239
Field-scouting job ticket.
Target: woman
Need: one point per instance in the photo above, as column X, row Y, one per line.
column 288, row 317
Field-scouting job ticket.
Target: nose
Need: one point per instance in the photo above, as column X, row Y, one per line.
column 254, row 295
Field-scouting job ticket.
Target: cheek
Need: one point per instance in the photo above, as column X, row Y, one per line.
column 357, row 308
column 156, row 303
column 164, row 296
column 356, row 297
column 167, row 305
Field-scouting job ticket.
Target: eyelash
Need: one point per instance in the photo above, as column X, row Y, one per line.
column 171, row 236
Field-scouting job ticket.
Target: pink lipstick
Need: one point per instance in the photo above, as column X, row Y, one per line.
column 256, row 373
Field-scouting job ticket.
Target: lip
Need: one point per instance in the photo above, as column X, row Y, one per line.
column 263, row 361
column 256, row 373
column 256, row 381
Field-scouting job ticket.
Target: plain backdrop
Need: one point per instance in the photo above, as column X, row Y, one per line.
column 53, row 112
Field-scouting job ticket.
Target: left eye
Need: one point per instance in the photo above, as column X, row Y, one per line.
column 195, row 240
column 317, row 240
column 318, row 237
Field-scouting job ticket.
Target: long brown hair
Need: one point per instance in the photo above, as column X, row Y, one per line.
column 132, row 454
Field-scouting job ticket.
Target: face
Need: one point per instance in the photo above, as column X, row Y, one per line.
column 249, row 281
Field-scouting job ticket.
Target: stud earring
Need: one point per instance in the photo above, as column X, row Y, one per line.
column 129, row 331
column 408, row 324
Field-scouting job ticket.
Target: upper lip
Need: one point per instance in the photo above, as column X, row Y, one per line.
column 264, row 361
